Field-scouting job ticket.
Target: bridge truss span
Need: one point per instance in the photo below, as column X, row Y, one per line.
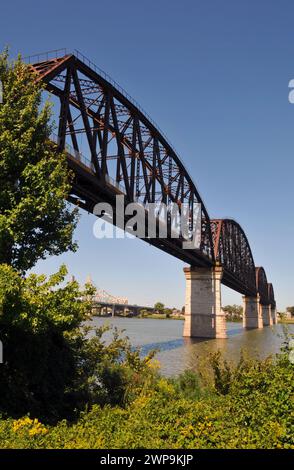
column 262, row 286
column 125, row 152
column 271, row 295
column 114, row 148
column 232, row 251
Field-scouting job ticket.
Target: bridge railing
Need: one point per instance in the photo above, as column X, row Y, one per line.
column 45, row 56
column 73, row 153
column 80, row 157
column 114, row 183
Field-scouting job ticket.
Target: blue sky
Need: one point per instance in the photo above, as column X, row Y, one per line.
column 214, row 75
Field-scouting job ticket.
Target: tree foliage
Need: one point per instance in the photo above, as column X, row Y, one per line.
column 250, row 406
column 35, row 220
column 52, row 366
column 159, row 307
column 233, row 312
column 290, row 310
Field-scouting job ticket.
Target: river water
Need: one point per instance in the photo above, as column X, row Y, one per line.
column 177, row 354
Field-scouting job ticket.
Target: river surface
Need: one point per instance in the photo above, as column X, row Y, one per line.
column 177, row 354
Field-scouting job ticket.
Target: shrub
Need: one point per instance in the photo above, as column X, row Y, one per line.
column 255, row 412
column 51, row 367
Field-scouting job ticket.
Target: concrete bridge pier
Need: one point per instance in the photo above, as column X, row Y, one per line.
column 266, row 315
column 204, row 317
column 252, row 312
column 274, row 314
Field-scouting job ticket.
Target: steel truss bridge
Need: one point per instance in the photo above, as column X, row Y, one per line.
column 105, row 297
column 126, row 153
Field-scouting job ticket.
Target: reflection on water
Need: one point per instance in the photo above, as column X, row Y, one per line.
column 177, row 353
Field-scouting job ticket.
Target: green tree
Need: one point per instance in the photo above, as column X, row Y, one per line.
column 159, row 307
column 35, row 220
column 167, row 312
column 290, row 310
column 52, row 366
column 233, row 312
column 143, row 312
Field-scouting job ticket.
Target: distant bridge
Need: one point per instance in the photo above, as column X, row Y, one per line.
column 114, row 308
column 127, row 154
column 104, row 303
column 101, row 296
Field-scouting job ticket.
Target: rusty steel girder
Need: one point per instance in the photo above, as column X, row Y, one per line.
column 232, row 251
column 126, row 153
column 262, row 286
column 123, row 146
column 271, row 295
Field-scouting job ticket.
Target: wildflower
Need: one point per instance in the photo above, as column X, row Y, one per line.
column 32, row 427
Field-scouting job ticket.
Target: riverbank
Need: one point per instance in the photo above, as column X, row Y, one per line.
column 248, row 406
column 153, row 316
column 162, row 316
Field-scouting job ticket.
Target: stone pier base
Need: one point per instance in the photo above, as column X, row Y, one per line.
column 252, row 314
column 266, row 315
column 274, row 314
column 204, row 317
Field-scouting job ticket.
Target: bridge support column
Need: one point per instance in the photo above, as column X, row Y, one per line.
column 252, row 315
column 113, row 310
column 274, row 314
column 204, row 317
column 266, row 315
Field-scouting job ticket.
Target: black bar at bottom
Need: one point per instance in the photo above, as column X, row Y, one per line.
column 138, row 458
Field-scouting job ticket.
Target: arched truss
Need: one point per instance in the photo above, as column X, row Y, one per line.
column 262, row 285
column 125, row 152
column 233, row 253
column 271, row 295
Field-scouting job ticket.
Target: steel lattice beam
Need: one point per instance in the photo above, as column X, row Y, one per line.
column 262, row 286
column 125, row 146
column 122, row 144
column 232, row 251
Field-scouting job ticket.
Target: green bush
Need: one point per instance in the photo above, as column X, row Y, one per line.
column 188, row 385
column 52, row 369
column 254, row 411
